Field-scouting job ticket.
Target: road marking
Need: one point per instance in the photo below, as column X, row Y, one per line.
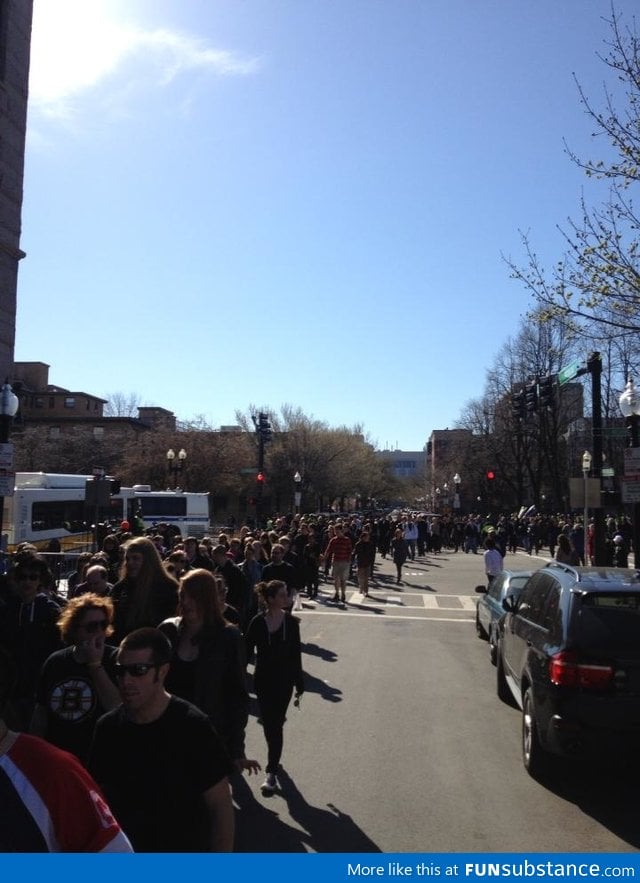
column 449, row 602
column 383, row 615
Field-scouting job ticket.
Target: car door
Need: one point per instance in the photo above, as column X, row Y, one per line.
column 491, row 610
column 524, row 632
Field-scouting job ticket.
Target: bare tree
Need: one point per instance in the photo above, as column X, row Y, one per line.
column 597, row 281
column 121, row 404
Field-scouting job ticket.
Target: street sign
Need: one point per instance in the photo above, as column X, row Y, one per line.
column 631, row 490
column 631, row 461
column 7, row 483
column 568, row 373
column 6, row 456
column 576, row 493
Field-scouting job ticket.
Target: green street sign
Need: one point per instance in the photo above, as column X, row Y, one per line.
column 568, row 373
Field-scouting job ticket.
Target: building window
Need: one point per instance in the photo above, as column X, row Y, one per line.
column 39, row 403
column 52, row 401
column 98, row 431
column 69, row 402
column 54, row 432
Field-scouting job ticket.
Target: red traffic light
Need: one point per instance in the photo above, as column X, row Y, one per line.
column 260, row 478
column 490, row 475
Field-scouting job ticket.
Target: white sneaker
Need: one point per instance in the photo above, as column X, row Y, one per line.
column 270, row 784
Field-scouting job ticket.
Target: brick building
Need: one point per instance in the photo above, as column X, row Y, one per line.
column 15, row 47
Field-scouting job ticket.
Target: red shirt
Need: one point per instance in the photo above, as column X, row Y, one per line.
column 340, row 548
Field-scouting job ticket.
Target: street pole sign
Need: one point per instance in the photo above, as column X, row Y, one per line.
column 631, row 462
column 568, row 373
column 631, row 489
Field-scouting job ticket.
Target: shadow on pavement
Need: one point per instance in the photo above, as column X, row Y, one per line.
column 322, row 652
column 261, row 828
column 606, row 793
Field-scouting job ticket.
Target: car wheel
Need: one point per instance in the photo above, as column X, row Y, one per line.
column 480, row 628
column 502, row 687
column 493, row 647
column 534, row 757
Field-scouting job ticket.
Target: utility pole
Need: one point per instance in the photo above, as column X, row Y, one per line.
column 594, row 366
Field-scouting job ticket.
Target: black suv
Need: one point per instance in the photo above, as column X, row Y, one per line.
column 569, row 654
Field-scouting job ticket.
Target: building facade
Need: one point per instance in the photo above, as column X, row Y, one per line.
column 15, row 48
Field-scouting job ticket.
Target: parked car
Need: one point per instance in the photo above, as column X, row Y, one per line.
column 490, row 610
column 569, row 655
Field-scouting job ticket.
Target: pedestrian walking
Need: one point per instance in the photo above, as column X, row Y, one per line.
column 339, row 551
column 208, row 664
column 492, row 559
column 399, row 553
column 145, row 594
column 162, row 766
column 77, row 684
column 365, row 553
column 274, row 636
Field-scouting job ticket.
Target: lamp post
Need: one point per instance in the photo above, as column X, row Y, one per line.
column 9, row 403
column 586, row 469
column 175, row 465
column 456, row 497
column 297, row 497
column 438, row 500
column 629, row 403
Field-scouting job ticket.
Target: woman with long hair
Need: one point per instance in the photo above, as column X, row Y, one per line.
column 208, row 667
column 145, row 594
column 274, row 635
column 566, row 553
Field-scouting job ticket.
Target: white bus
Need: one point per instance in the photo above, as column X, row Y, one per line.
column 47, row 506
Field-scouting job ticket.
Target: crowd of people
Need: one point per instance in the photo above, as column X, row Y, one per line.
column 136, row 679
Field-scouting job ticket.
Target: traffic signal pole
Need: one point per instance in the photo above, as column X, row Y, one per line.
column 594, row 367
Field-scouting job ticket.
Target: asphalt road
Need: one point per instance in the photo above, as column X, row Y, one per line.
column 401, row 744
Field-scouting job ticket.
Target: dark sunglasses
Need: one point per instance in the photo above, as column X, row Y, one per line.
column 95, row 626
column 136, row 669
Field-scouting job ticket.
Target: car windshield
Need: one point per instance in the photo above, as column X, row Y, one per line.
column 609, row 623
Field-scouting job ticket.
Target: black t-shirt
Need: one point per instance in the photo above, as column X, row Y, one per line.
column 67, row 691
column 154, row 775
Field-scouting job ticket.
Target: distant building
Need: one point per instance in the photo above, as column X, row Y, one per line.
column 405, row 464
column 53, row 422
column 446, row 449
column 15, row 47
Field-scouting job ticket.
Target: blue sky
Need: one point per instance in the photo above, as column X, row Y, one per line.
column 296, row 201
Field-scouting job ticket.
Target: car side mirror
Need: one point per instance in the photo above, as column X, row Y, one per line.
column 481, row 590
column 509, row 603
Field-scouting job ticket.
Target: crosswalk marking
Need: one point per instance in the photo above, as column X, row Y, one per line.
column 444, row 603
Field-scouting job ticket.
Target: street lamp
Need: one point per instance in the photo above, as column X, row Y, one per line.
column 437, row 499
column 456, row 497
column 9, row 403
column 629, row 403
column 175, row 464
column 586, row 468
column 297, row 479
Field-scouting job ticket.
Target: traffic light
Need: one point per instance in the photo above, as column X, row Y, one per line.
column 490, row 475
column 260, row 478
column 518, row 405
column 531, row 396
column 546, row 391
column 264, row 427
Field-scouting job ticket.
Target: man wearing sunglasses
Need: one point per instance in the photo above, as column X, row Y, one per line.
column 77, row 684
column 159, row 760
